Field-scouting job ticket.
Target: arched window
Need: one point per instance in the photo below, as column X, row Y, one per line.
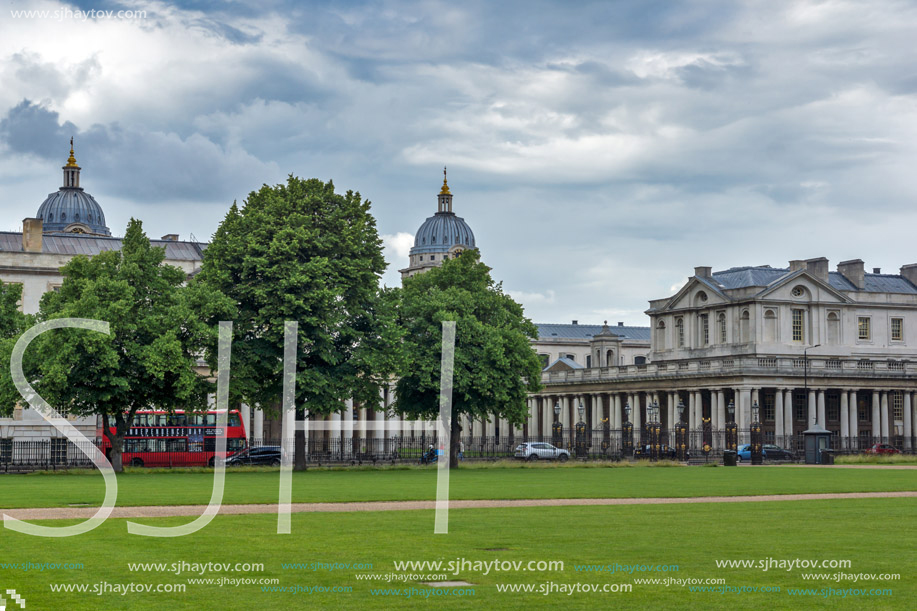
column 770, row 326
column 834, row 329
column 744, row 326
column 610, row 358
column 680, row 332
column 721, row 324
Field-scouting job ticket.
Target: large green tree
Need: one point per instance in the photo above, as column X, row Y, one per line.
column 495, row 366
column 157, row 333
column 301, row 252
column 12, row 324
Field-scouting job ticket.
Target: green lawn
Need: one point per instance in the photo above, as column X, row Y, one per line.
column 876, row 535
column 415, row 484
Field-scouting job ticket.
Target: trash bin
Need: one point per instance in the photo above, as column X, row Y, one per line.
column 827, row 457
column 729, row 458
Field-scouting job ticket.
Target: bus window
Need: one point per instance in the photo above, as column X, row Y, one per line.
column 176, row 445
column 158, row 420
column 210, row 444
column 177, row 420
column 233, row 419
column 234, row 445
column 141, row 420
column 195, row 420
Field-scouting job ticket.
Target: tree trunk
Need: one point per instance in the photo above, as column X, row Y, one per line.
column 299, row 446
column 455, row 440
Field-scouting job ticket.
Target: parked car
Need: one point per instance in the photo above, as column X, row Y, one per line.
column 265, row 455
column 768, row 452
column 664, row 452
column 883, row 448
column 537, row 451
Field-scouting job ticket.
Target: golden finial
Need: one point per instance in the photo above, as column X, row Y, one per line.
column 445, row 189
column 71, row 162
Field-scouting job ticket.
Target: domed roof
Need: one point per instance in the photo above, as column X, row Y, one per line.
column 69, row 206
column 441, row 232
column 71, row 209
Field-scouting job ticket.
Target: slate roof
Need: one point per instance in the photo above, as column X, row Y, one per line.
column 75, row 244
column 568, row 362
column 742, row 277
column 559, row 331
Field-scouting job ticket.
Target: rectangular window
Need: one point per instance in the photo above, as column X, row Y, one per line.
column 588, row 361
column 705, row 329
column 767, row 413
column 722, row 322
column 832, row 406
column 863, row 328
column 800, row 406
column 798, row 333
column 897, row 405
column 897, row 329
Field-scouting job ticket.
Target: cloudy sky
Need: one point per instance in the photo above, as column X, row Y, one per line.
column 599, row 150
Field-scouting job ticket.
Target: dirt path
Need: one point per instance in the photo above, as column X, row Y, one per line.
column 76, row 513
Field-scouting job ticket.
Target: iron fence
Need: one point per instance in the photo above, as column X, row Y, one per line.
column 333, row 449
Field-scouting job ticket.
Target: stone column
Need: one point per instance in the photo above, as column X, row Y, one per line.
column 635, row 413
column 845, row 420
column 746, row 413
column 779, row 418
column 813, row 410
column 755, row 398
column 721, row 409
column 876, row 419
column 788, row 412
column 347, row 422
column 821, row 408
column 245, row 412
column 619, row 419
column 883, row 415
column 854, row 416
column 908, row 420
column 258, row 427
column 670, row 412
column 692, row 410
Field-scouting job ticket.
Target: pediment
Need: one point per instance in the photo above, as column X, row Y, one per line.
column 803, row 288
column 697, row 294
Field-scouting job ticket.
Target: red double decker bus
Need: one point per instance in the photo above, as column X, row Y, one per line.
column 163, row 439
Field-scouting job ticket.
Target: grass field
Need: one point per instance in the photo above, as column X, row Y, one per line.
column 418, row 484
column 870, row 533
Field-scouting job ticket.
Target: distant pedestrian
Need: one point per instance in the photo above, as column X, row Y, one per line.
column 461, row 454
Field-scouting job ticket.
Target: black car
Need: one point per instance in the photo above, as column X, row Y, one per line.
column 664, row 452
column 265, row 455
column 772, row 452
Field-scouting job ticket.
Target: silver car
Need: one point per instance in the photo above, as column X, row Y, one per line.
column 540, row 450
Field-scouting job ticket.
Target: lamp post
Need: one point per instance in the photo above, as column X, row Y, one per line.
column 805, row 374
column 557, row 429
column 581, row 433
column 756, row 454
column 627, row 432
column 731, row 433
column 653, row 429
column 681, row 433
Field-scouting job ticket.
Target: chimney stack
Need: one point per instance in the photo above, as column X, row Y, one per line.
column 910, row 272
column 818, row 268
column 797, row 264
column 31, row 234
column 854, row 271
column 703, row 272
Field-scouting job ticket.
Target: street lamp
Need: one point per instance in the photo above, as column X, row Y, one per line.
column 627, row 432
column 557, row 429
column 653, row 429
column 581, row 432
column 681, row 433
column 756, row 454
column 805, row 373
column 731, row 433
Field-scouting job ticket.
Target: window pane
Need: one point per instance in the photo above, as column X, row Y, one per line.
column 863, row 327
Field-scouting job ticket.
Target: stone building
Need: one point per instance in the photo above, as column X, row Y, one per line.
column 68, row 223
column 805, row 344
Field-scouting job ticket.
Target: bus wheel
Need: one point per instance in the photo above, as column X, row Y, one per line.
column 210, row 463
column 137, row 462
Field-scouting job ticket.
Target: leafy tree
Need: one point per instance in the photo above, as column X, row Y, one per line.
column 301, row 252
column 149, row 358
column 12, row 324
column 495, row 366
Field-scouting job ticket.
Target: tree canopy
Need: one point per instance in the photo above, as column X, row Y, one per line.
column 301, row 252
column 150, row 358
column 495, row 366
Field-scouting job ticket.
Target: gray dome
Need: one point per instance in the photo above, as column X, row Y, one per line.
column 441, row 232
column 72, row 205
